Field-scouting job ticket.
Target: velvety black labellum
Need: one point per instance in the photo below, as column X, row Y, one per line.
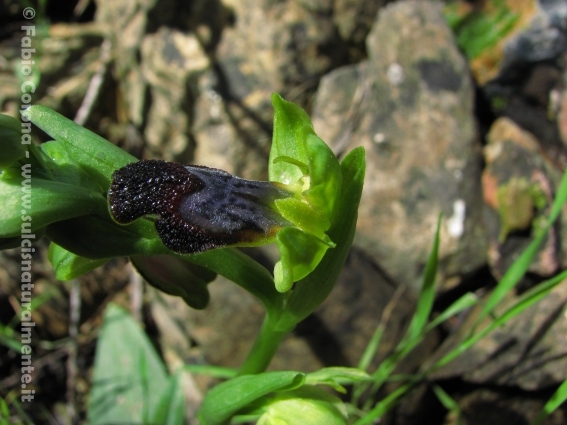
column 197, row 208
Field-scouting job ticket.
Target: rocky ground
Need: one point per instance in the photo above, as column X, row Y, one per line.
column 481, row 139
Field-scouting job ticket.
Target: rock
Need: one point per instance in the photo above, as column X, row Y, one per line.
column 411, row 107
column 278, row 46
column 544, row 40
column 519, row 183
column 561, row 108
column 228, row 134
column 529, row 351
column 126, row 23
column 530, row 69
column 354, row 18
column 485, row 406
column 172, row 63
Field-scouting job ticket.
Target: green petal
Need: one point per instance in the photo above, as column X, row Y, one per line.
column 300, row 253
column 302, row 215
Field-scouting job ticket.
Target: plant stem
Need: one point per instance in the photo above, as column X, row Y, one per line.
column 264, row 348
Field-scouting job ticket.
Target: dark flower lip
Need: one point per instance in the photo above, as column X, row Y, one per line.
column 197, row 208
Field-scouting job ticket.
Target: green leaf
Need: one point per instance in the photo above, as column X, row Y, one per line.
column 11, row 147
column 16, row 241
column 93, row 237
column 226, row 399
column 526, row 300
column 175, row 276
column 67, row 265
column 39, row 202
column 96, row 155
column 58, row 162
column 171, row 407
column 336, row 377
column 211, row 370
column 129, row 378
column 417, row 328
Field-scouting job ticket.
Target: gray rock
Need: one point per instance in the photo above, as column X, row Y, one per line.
column 411, row 107
column 172, row 63
column 530, row 351
column 278, row 46
column 485, row 406
column 354, row 18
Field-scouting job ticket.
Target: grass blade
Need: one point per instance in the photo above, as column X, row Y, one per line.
column 427, row 293
column 556, row 400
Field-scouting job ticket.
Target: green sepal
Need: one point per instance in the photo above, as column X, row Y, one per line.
column 10, row 141
column 177, row 277
column 300, row 253
column 67, row 265
column 288, row 141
